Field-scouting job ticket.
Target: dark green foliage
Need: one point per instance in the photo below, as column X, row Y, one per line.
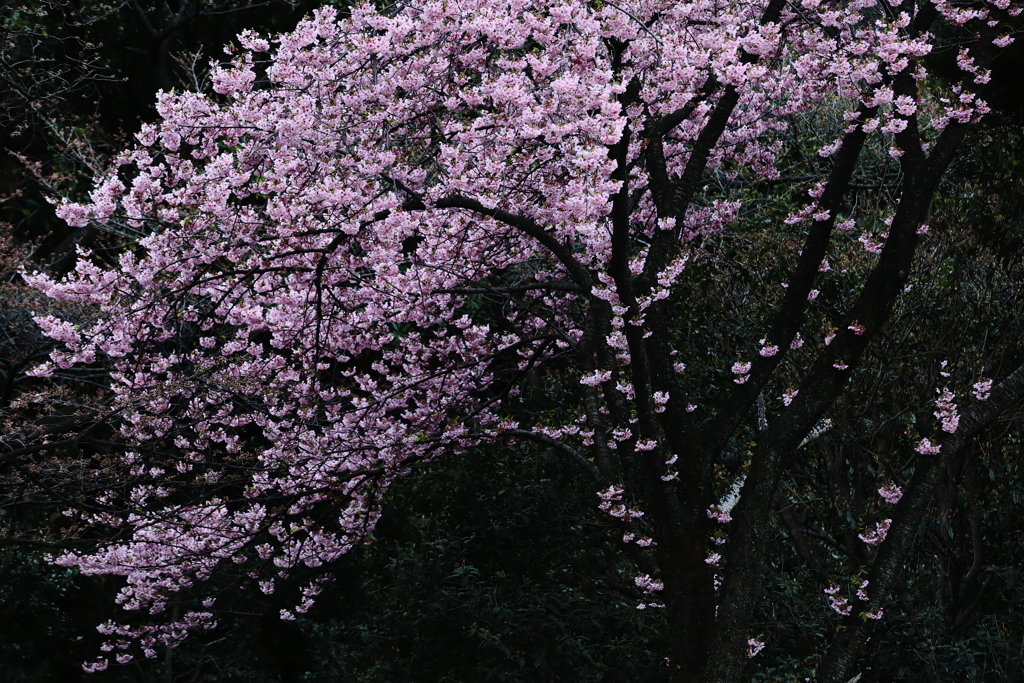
column 511, row 578
column 45, row 611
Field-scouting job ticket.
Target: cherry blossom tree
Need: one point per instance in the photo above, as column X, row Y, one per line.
column 357, row 252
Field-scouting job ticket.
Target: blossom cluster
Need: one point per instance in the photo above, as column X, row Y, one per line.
column 946, row 411
column 878, row 535
column 891, row 493
column 982, row 389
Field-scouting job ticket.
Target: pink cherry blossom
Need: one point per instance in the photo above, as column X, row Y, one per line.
column 878, row 535
column 947, row 411
column 982, row 389
column 891, row 493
